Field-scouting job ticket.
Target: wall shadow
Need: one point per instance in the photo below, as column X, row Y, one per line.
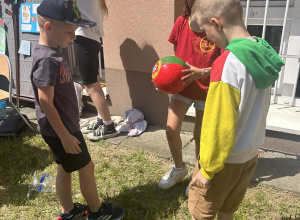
column 143, row 94
column 178, row 8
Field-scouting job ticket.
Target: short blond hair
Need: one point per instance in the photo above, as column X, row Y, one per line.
column 230, row 11
column 43, row 19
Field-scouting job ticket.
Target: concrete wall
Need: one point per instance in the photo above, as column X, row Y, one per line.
column 136, row 37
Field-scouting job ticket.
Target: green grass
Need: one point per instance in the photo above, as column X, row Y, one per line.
column 125, row 177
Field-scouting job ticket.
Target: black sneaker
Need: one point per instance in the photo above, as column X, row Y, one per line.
column 92, row 126
column 107, row 212
column 78, row 212
column 103, row 132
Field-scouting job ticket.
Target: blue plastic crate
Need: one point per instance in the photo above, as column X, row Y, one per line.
column 3, row 107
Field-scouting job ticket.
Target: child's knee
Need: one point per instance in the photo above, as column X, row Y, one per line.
column 61, row 170
column 171, row 133
column 90, row 167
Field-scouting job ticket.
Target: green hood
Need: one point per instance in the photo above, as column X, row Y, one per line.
column 260, row 59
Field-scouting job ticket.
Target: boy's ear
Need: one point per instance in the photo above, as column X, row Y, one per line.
column 217, row 23
column 48, row 26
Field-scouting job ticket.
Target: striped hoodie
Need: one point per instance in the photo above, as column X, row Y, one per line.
column 237, row 104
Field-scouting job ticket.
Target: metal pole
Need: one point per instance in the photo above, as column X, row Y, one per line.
column 247, row 12
column 16, row 36
column 281, row 46
column 265, row 20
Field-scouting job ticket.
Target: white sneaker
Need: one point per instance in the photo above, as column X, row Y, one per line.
column 172, row 176
column 92, row 126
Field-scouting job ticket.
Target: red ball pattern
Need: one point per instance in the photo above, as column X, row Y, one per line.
column 167, row 74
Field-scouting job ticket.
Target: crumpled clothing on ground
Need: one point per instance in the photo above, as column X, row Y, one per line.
column 134, row 123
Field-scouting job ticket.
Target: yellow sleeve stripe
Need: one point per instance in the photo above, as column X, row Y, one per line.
column 218, row 127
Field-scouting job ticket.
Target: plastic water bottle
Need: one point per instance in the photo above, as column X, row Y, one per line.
column 42, row 182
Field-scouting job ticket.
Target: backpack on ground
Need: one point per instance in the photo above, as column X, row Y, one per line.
column 12, row 124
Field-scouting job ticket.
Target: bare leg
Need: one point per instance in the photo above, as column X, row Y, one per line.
column 197, row 131
column 96, row 93
column 176, row 114
column 63, row 189
column 88, row 187
column 225, row 216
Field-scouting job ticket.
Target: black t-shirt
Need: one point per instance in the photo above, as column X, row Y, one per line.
column 49, row 68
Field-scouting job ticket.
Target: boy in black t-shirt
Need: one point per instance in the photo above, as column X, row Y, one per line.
column 57, row 110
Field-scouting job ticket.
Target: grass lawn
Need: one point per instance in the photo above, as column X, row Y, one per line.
column 125, row 177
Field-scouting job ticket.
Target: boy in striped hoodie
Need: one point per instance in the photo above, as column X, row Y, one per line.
column 237, row 104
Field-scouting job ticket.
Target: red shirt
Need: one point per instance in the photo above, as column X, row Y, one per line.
column 194, row 48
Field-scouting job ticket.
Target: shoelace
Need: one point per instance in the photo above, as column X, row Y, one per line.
column 99, row 131
column 93, row 125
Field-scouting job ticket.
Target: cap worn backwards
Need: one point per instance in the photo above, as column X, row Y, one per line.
column 64, row 10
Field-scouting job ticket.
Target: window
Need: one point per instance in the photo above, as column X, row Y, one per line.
column 272, row 36
column 272, row 3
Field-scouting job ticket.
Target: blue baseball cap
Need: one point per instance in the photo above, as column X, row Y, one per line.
column 64, row 10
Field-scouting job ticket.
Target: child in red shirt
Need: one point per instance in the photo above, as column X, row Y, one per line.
column 199, row 53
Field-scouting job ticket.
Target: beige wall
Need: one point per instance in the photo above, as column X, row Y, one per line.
column 136, row 33
column 136, row 37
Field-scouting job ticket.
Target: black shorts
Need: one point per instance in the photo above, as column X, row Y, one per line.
column 87, row 57
column 70, row 162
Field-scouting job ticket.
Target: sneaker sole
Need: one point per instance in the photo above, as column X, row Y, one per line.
column 167, row 186
column 83, row 131
column 97, row 138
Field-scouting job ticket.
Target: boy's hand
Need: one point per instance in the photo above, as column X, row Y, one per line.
column 70, row 144
column 200, row 181
column 191, row 74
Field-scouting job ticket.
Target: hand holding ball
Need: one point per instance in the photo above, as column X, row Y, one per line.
column 167, row 74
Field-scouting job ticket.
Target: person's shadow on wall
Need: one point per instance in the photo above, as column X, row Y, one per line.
column 138, row 63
